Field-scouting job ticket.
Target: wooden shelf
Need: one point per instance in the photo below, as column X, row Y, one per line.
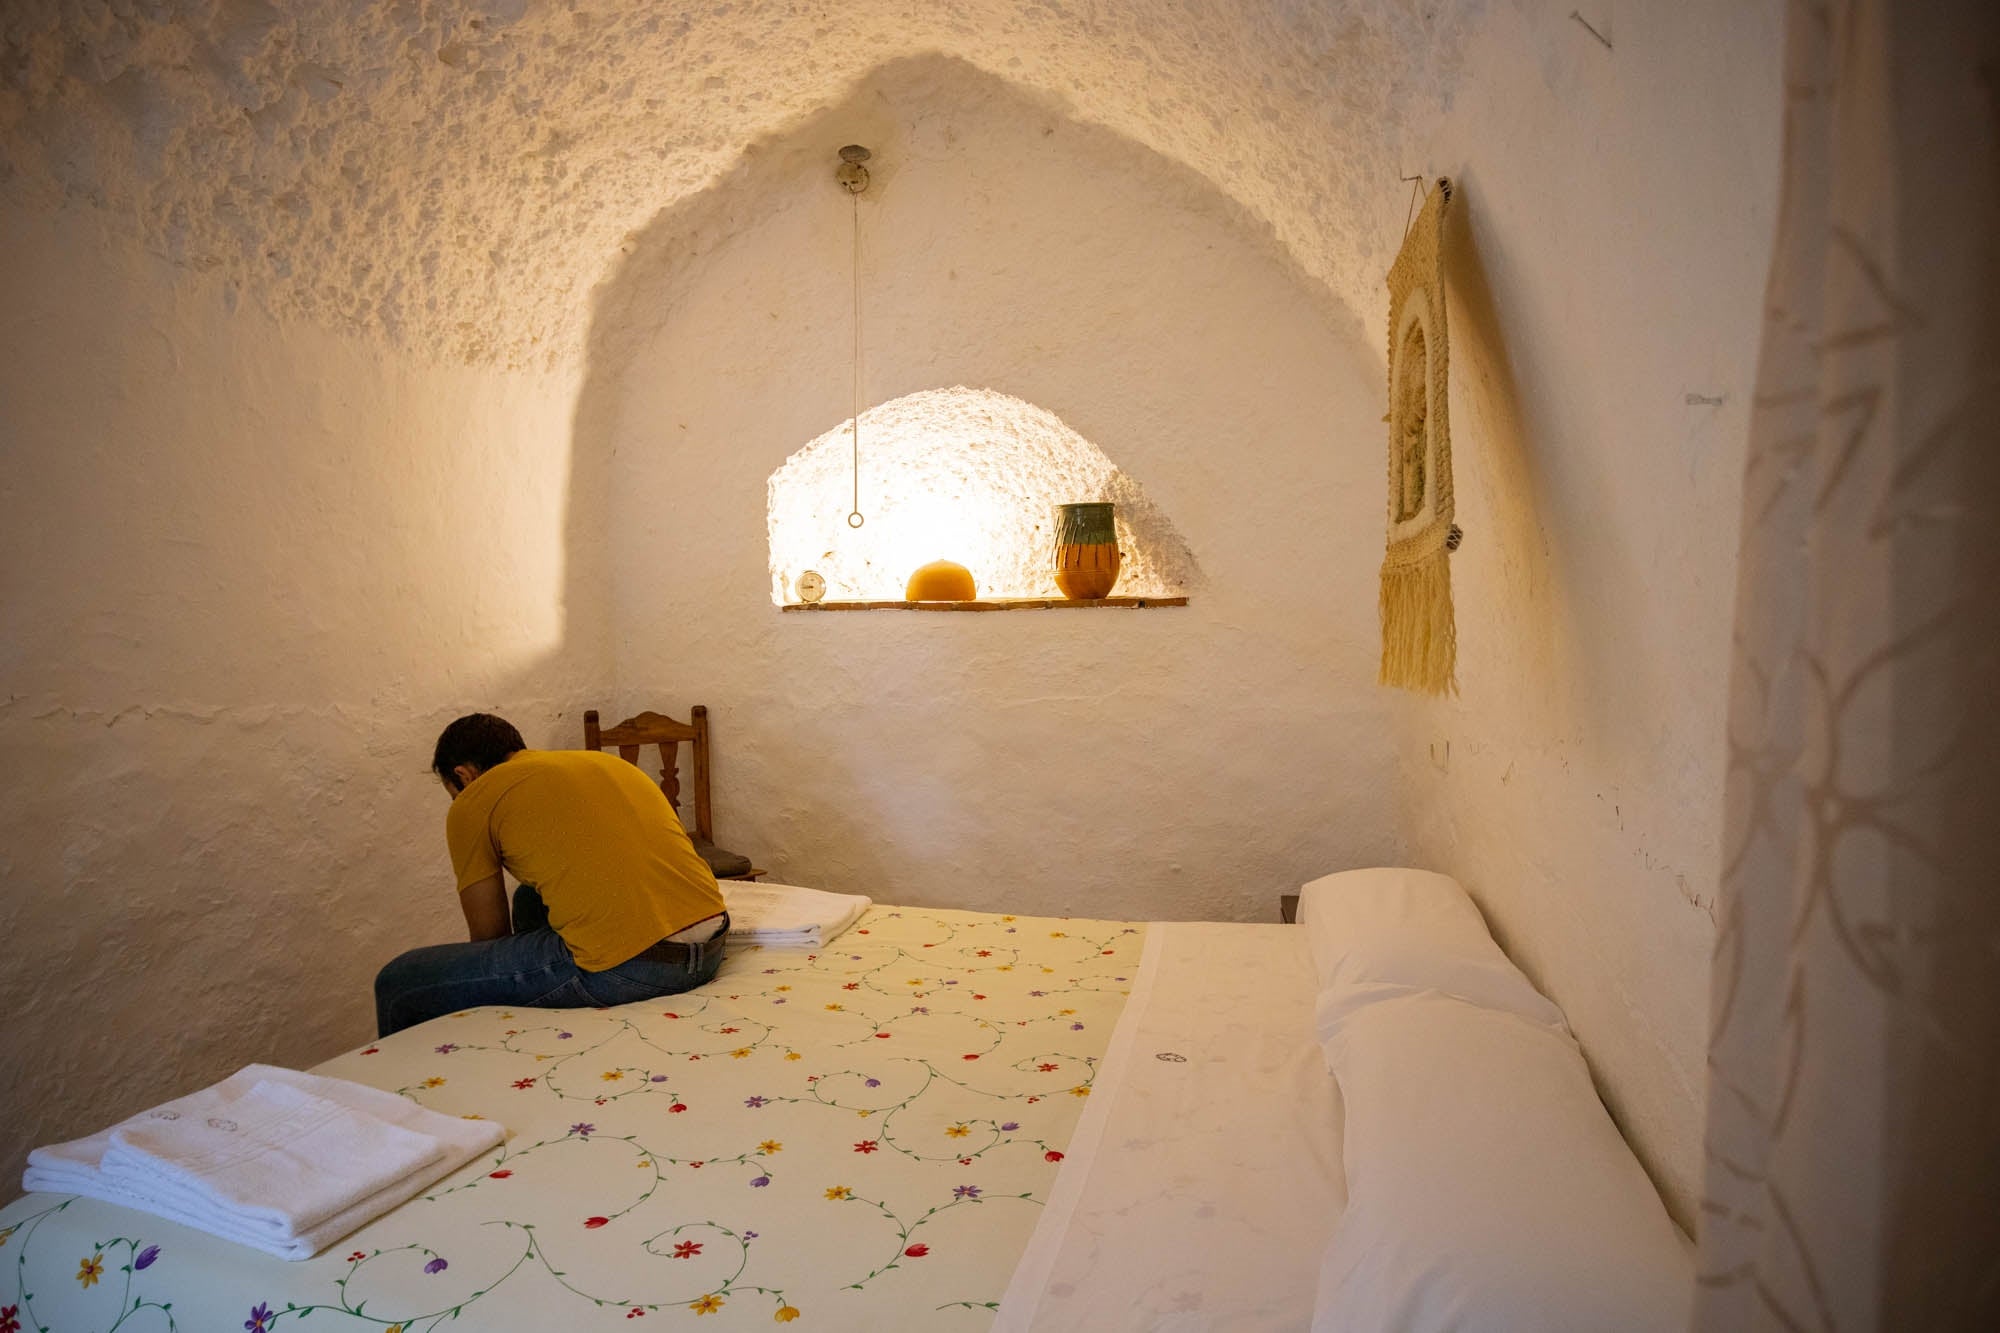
column 995, row 604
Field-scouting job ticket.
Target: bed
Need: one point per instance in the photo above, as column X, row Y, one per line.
column 942, row 1120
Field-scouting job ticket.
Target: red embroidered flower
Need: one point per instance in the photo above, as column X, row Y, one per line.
column 979, row 997
column 10, row 1319
column 373, row 1050
column 668, row 1013
column 883, row 1035
column 918, row 1250
column 687, row 1249
column 357, row 1257
column 635, row 1313
column 866, row 1145
column 524, row 1083
column 970, row 1055
column 985, row 953
column 593, row 1223
column 727, row 1030
column 677, row 1108
column 1052, row 1156
column 499, row 1175
column 852, row 985
column 1046, row 1067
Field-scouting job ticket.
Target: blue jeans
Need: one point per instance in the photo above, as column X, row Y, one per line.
column 532, row 967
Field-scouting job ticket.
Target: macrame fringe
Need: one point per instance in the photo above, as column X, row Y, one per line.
column 1419, row 632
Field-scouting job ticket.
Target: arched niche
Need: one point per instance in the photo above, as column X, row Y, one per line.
column 962, row 474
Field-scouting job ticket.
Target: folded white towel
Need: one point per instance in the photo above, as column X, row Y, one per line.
column 285, row 1162
column 788, row 915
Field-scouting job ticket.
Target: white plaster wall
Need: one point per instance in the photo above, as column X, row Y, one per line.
column 1618, row 209
column 246, row 573
column 1165, row 763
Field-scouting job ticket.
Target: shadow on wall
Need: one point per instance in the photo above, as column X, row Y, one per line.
column 1087, row 761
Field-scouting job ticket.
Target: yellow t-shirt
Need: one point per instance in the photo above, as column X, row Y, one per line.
column 599, row 841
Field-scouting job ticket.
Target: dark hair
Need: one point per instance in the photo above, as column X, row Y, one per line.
column 479, row 739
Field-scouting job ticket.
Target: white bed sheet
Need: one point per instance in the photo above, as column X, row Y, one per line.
column 1205, row 1178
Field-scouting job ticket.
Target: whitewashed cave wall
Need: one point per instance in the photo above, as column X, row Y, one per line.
column 1606, row 291
column 248, row 569
column 1176, row 763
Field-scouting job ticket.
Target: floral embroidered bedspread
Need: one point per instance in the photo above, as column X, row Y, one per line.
column 855, row 1138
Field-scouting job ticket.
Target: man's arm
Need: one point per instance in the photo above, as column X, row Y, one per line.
column 485, row 907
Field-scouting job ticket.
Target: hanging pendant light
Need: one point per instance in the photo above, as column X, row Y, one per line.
column 853, row 177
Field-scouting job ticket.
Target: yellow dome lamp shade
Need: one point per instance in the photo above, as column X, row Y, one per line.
column 941, row 581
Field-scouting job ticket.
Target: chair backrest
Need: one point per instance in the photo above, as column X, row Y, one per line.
column 658, row 729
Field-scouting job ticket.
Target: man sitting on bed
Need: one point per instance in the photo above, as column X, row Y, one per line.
column 613, row 906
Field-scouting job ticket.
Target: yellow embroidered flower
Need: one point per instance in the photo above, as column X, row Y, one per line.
column 836, row 1008
column 473, row 1116
column 434, row 1082
column 612, row 1075
column 1065, row 1011
column 394, row 1328
column 6, row 1232
column 739, row 1053
column 544, row 1057
column 770, row 1145
column 508, row 1014
column 840, row 1192
column 958, row 1131
column 1080, row 1090
column 782, row 988
column 1006, row 918
column 864, row 1114
column 645, row 1162
column 793, row 1055
column 90, row 1270
column 1058, row 934
column 786, row 1314
column 1004, row 967
column 1049, row 970
column 708, row 1304
column 914, row 981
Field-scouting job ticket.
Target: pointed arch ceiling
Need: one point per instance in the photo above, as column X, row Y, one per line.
column 456, row 175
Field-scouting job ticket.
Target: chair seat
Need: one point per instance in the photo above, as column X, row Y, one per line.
column 724, row 863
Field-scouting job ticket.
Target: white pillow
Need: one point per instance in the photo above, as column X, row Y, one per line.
column 1420, row 909
column 1488, row 1190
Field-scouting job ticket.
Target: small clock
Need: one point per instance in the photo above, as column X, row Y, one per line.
column 811, row 586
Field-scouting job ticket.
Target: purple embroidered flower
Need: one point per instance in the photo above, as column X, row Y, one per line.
column 583, row 1129
column 965, row 1191
column 436, row 1266
column 920, row 1008
column 1010, row 1127
column 1038, row 994
column 447, row 1048
column 951, row 981
column 749, row 1235
column 1076, row 1027
column 146, row 1257
column 760, row 1182
column 659, row 1078
column 1010, row 930
column 564, row 1036
column 754, row 1102
column 871, row 1083
column 260, row 1318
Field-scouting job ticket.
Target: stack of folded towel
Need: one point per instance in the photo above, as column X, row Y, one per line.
column 787, row 916
column 285, row 1162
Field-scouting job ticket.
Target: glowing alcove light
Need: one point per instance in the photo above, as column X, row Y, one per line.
column 959, row 474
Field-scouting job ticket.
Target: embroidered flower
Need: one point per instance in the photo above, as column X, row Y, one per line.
column 786, row 1314
column 852, row 985
column 593, row 1223
column 918, row 1250
column 1076, row 1027
column 965, row 1191
column 759, row 1182
column 357, row 1256
column 523, row 1084
column 636, row 1312
column 781, row 988
column 793, row 1055
column 727, row 1031
column 708, row 1304
column 687, row 1249
column 373, row 1050
column 1080, row 1090
column 970, row 1055
column 612, row 1075
column 10, row 1319
column 583, row 1129
column 434, row 1082
column 840, row 1192
column 146, row 1258
column 1052, row 1156
column 260, row 1318
column 957, row 1131
column 739, row 1053
column 1048, row 1067
column 1009, row 1126
column 754, row 1102
column 499, row 1175
column 89, row 1270
column 985, row 953
column 447, row 1048
column 564, row 1036
column 770, row 1145
column 867, row 1146
column 871, row 1082
column 436, row 1266
column 677, row 1108
column 836, row 1008
column 657, row 1078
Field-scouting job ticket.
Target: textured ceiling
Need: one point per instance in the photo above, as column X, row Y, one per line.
column 455, row 175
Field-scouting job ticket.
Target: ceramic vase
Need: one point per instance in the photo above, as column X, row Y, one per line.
column 1086, row 550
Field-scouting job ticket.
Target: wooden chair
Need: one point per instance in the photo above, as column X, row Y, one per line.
column 658, row 729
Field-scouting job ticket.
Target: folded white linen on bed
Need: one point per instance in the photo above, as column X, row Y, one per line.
column 786, row 915
column 282, row 1161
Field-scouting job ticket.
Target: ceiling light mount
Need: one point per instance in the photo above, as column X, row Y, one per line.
column 852, row 176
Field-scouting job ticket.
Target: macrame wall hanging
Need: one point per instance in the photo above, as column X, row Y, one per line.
column 1419, row 636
